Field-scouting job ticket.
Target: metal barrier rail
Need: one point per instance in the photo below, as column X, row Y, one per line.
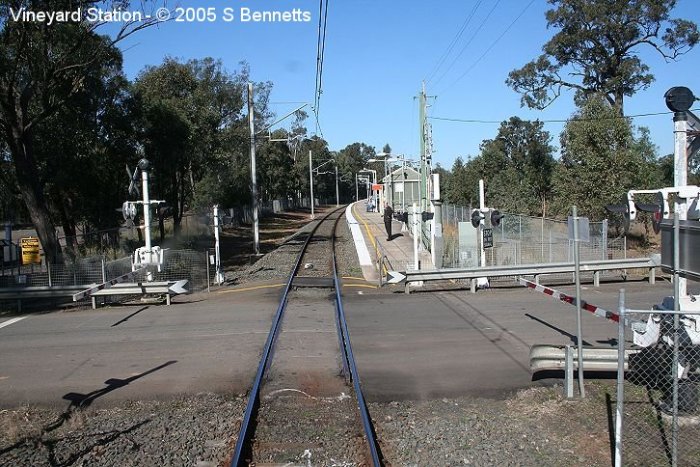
column 69, row 291
column 545, row 357
column 167, row 288
column 535, row 270
column 21, row 293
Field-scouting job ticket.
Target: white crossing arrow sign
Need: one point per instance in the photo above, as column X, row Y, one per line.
column 395, row 277
column 178, row 287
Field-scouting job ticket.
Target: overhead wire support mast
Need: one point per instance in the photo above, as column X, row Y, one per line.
column 426, row 150
column 253, row 176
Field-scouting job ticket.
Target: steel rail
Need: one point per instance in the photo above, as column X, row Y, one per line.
column 243, row 441
column 349, row 362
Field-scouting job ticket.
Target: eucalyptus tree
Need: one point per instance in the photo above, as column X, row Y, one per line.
column 43, row 67
column 598, row 164
column 597, row 50
column 516, row 166
column 196, row 132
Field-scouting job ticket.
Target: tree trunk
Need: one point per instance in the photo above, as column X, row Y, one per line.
column 178, row 205
column 69, row 230
column 28, row 180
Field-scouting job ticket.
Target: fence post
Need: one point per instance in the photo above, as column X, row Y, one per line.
column 48, row 270
column 676, row 326
column 569, row 371
column 206, row 264
column 520, row 227
column 104, row 279
column 604, row 227
column 620, row 379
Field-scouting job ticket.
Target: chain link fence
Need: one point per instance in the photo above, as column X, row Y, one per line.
column 520, row 240
column 194, row 266
column 660, row 390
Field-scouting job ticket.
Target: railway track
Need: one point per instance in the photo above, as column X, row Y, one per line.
column 300, row 407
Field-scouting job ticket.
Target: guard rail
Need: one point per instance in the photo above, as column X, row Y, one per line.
column 535, row 270
column 168, row 288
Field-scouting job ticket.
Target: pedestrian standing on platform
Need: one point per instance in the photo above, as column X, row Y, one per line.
column 388, row 213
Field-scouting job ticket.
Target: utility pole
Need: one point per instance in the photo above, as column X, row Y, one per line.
column 425, row 150
column 337, row 193
column 253, row 176
column 311, row 184
column 421, row 115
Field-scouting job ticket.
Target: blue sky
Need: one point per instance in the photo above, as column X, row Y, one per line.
column 379, row 51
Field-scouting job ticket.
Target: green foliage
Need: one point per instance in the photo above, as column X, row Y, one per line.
column 195, row 132
column 598, row 161
column 596, row 50
column 463, row 186
column 351, row 159
column 49, row 74
column 516, row 167
column 276, row 168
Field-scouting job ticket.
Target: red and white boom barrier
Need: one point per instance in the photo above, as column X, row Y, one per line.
column 571, row 300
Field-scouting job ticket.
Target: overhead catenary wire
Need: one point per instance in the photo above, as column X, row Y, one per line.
column 488, row 49
column 574, row 119
column 320, row 55
column 476, row 33
column 318, row 50
column 453, row 43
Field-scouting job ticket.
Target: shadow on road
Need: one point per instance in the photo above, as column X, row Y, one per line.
column 78, row 402
column 82, row 401
column 559, row 330
column 130, row 316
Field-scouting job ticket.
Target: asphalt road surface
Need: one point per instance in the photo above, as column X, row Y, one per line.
column 436, row 344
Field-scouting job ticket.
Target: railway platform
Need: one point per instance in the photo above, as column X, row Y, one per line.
column 371, row 242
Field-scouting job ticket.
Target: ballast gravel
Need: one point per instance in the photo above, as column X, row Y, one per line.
column 191, row 431
column 535, row 427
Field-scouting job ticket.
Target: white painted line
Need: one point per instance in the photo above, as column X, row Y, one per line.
column 11, row 321
column 360, row 245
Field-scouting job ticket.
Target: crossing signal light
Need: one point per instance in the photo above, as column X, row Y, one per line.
column 627, row 208
column 496, row 217
column 476, row 218
column 426, row 216
column 129, row 210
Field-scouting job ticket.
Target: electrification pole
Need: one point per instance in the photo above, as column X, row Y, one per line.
column 421, row 111
column 253, row 177
column 357, row 190
column 311, row 184
column 337, row 193
column 425, row 151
